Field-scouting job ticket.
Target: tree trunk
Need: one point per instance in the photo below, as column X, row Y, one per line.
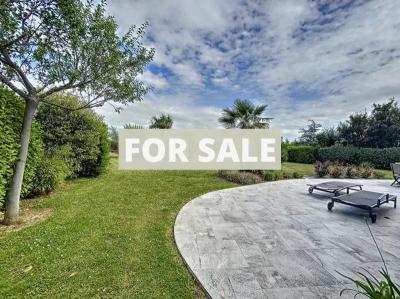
column 14, row 191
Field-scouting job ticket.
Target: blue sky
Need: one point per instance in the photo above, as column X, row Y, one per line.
column 305, row 59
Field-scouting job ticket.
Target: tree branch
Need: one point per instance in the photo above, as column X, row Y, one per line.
column 7, row 60
column 68, row 85
column 6, row 81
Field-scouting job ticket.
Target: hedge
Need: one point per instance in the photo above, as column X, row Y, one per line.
column 302, row 154
column 11, row 115
column 379, row 157
column 80, row 137
column 64, row 143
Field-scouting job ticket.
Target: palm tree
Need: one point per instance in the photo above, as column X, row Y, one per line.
column 244, row 115
column 163, row 122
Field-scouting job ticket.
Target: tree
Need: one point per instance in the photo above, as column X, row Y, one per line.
column 326, row 137
column 49, row 46
column 163, row 122
column 354, row 130
column 244, row 115
column 309, row 134
column 384, row 125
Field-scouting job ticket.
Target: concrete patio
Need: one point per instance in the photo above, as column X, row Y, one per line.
column 274, row 240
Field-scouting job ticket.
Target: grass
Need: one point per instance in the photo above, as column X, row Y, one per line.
column 108, row 237
column 308, row 169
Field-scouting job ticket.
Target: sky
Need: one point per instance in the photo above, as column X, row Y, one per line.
column 320, row 60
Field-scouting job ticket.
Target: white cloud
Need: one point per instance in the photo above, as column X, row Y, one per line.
column 310, row 59
column 153, row 80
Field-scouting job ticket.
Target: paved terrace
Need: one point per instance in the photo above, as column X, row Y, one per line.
column 274, row 240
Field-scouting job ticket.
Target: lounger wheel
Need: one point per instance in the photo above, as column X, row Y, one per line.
column 330, row 205
column 310, row 190
column 373, row 218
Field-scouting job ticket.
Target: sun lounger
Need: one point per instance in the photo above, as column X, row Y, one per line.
column 396, row 173
column 335, row 187
column 366, row 200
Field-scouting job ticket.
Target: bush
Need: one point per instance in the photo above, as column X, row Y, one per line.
column 79, row 137
column 276, row 175
column 366, row 170
column 269, row 176
column 302, row 154
column 297, row 175
column 50, row 174
column 321, row 168
column 352, row 171
column 381, row 158
column 240, row 177
column 337, row 170
column 11, row 115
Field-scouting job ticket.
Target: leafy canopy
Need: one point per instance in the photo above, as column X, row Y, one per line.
column 244, row 115
column 309, row 134
column 164, row 121
column 72, row 45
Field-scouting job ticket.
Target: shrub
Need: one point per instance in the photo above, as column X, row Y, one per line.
column 381, row 158
column 302, row 154
column 269, row 176
column 352, row 171
column 297, row 175
column 278, row 175
column 50, row 174
column 321, row 168
column 366, row 170
column 11, row 114
column 336, row 170
column 240, row 177
column 79, row 135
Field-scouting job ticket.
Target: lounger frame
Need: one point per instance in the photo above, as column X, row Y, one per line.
column 335, row 191
column 346, row 199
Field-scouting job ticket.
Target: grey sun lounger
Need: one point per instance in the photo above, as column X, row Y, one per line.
column 365, row 200
column 335, row 187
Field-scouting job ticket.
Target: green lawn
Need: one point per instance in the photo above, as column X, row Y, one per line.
column 109, row 237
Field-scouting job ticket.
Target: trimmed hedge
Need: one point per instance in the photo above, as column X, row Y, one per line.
column 379, row 157
column 63, row 144
column 11, row 115
column 302, row 154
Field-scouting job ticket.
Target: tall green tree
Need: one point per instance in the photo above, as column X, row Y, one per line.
column 49, row 46
column 164, row 121
column 326, row 137
column 384, row 125
column 309, row 134
column 354, row 130
column 244, row 115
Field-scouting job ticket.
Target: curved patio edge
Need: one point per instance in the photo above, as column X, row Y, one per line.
column 274, row 240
